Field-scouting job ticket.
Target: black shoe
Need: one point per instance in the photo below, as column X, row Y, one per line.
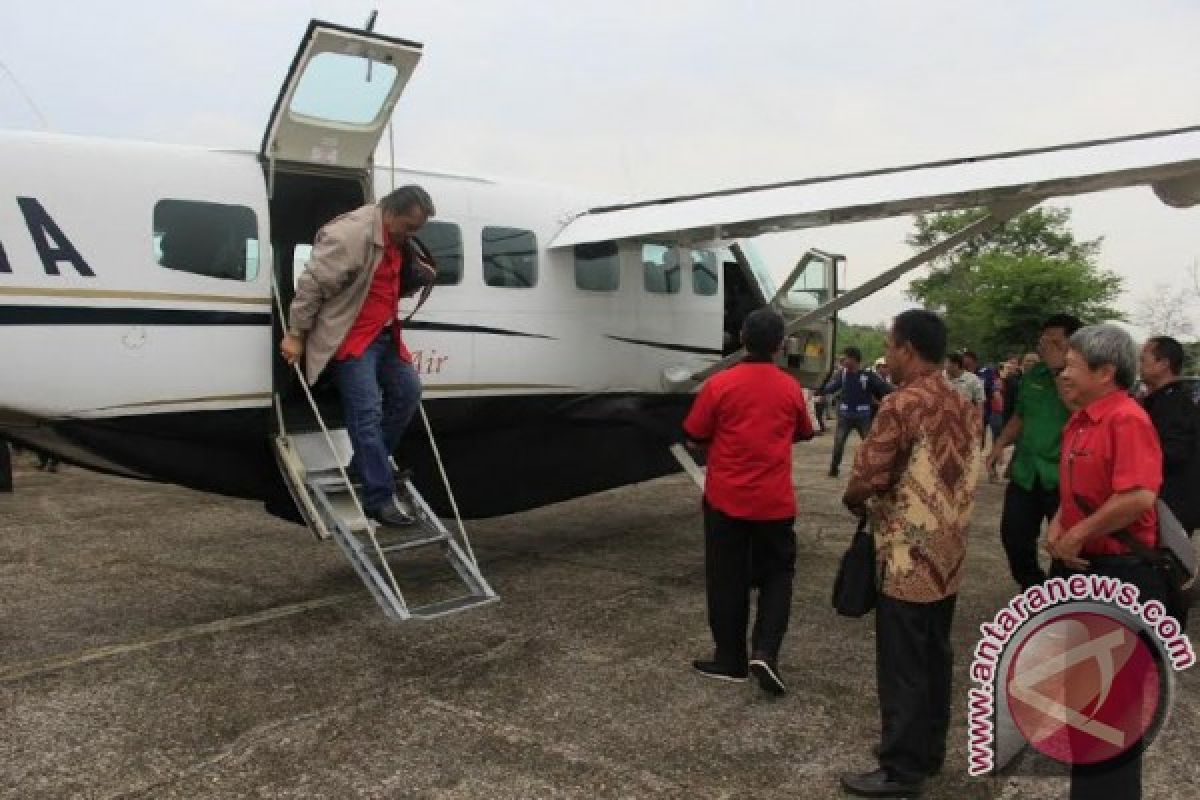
column 712, row 669
column 767, row 674
column 934, row 769
column 878, row 784
column 833, row 473
column 389, row 515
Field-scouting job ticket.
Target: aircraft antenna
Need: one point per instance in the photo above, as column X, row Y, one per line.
column 37, row 112
column 370, row 26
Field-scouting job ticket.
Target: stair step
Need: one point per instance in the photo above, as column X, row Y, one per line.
column 435, row 610
column 409, row 544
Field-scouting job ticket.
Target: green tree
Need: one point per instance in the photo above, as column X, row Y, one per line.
column 867, row 338
column 996, row 289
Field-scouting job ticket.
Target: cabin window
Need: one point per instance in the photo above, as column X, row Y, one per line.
column 704, row 272
column 509, row 258
column 660, row 269
column 597, row 267
column 210, row 239
column 444, row 242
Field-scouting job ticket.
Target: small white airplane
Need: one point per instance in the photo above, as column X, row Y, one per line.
column 558, row 352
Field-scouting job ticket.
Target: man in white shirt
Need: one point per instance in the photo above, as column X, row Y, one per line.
column 964, row 382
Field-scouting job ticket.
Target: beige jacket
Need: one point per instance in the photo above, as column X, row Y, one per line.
column 335, row 284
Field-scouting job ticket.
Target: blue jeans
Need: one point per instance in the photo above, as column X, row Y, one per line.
column 380, row 393
column 846, row 424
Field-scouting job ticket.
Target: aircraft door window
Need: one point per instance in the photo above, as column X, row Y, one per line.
column 335, row 88
column 597, row 267
column 301, row 253
column 704, row 272
column 444, row 242
column 509, row 258
column 210, row 239
column 660, row 269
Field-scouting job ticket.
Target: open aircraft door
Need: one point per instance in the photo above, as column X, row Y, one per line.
column 337, row 99
column 809, row 349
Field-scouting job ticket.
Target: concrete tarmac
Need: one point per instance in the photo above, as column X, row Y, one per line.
column 160, row 643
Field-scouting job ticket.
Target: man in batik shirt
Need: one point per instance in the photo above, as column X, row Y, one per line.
column 914, row 477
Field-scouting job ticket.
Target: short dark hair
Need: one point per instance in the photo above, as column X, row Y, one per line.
column 955, row 358
column 762, row 332
column 924, row 330
column 1068, row 322
column 1170, row 349
column 406, row 198
column 853, row 352
column 971, row 355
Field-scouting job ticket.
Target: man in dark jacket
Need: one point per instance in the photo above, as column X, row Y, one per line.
column 860, row 389
column 1172, row 407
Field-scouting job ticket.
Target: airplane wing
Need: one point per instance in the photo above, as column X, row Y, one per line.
column 1168, row 160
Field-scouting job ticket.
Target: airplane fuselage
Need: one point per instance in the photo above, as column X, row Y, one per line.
column 140, row 330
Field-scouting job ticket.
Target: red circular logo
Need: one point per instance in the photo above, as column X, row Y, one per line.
column 1084, row 688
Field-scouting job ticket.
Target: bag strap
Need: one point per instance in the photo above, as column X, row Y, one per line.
column 1151, row 556
column 423, row 254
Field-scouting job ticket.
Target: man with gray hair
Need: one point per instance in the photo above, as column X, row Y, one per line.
column 344, row 316
column 1110, row 476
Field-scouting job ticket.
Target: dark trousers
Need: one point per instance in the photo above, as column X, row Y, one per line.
column 739, row 553
column 6, row 471
column 913, row 662
column 845, row 424
column 1020, row 526
column 380, row 394
column 1122, row 778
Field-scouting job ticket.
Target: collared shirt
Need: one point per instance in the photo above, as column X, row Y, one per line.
column 968, row 385
column 922, row 460
column 1043, row 416
column 379, row 309
column 1109, row 447
column 750, row 414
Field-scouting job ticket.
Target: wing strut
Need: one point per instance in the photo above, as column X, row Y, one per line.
column 998, row 214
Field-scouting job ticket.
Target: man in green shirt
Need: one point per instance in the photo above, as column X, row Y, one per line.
column 1036, row 426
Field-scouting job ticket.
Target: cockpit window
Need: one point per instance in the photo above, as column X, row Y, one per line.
column 210, row 239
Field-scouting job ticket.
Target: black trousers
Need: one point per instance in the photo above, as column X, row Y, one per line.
column 1020, row 526
column 913, row 663
column 6, row 470
column 1120, row 779
column 739, row 553
column 844, row 426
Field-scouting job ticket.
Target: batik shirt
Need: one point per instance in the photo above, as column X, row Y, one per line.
column 922, row 460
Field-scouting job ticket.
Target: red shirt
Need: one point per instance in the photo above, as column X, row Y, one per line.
column 380, row 307
column 1110, row 446
column 751, row 414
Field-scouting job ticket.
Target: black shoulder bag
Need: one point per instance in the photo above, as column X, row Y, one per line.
column 855, row 588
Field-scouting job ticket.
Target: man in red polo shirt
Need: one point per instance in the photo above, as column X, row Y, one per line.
column 748, row 416
column 1110, row 475
column 344, row 316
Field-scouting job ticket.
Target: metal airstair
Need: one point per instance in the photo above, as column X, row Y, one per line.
column 314, row 467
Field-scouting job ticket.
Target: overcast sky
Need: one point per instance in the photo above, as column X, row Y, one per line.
column 656, row 97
